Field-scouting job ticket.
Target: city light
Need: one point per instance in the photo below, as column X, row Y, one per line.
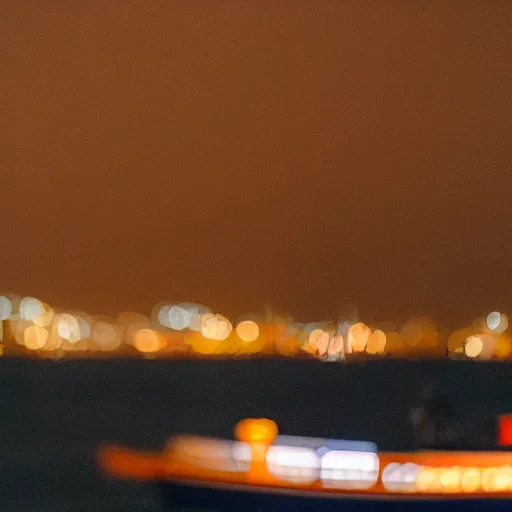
column 31, row 327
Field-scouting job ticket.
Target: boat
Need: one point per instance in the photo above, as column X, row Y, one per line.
column 264, row 471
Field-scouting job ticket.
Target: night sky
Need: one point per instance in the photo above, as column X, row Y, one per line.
column 303, row 154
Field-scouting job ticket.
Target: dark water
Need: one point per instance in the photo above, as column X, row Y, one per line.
column 54, row 415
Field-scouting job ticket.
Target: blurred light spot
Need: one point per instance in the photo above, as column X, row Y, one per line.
column 358, row 337
column 215, row 327
column 31, row 309
column 179, row 318
column 488, row 479
column 18, row 328
column 163, row 315
column 450, row 479
column 105, row 336
column 376, row 343
column 349, row 470
column 295, row 464
column 398, row 477
column 313, row 338
column 68, row 328
column 248, row 331
column 46, row 318
column 497, row 322
column 471, row 480
column 474, row 346
column 195, row 311
column 428, row 480
column 147, row 341
column 5, row 308
column 336, row 346
column 35, row 338
column 493, row 320
column 458, row 339
column 201, row 345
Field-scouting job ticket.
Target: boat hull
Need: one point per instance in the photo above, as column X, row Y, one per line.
column 226, row 498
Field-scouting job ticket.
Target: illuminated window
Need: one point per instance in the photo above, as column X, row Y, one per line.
column 398, row 477
column 293, row 463
column 349, row 469
column 214, row 454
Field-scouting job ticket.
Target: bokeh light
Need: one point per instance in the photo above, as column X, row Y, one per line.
column 35, row 338
column 31, row 309
column 215, row 326
column 5, row 308
column 147, row 341
column 247, row 331
column 474, row 346
column 358, row 337
column 68, row 328
column 376, row 343
column 106, row 335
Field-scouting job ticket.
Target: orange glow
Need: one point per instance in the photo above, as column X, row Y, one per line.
column 313, row 338
column 336, row 345
column 503, row 346
column 427, row 480
column 248, row 331
column 376, row 343
column 261, row 431
column 450, row 479
column 321, row 342
column 358, row 337
column 35, row 338
column 147, row 341
column 201, row 345
column 458, row 338
column 288, row 346
column 471, row 479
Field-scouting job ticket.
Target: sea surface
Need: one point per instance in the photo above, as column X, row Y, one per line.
column 54, row 415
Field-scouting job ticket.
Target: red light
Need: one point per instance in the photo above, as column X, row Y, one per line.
column 505, row 430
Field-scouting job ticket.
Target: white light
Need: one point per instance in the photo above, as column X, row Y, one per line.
column 493, row 320
column 31, row 309
column 349, row 470
column 398, row 477
column 68, row 328
column 179, row 318
column 5, row 308
column 195, row 311
column 163, row 315
column 295, row 464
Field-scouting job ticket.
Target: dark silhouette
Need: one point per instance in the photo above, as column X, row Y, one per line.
column 434, row 423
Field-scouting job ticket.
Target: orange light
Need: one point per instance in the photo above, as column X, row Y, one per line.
column 450, row 479
column 358, row 336
column 376, row 343
column 35, row 337
column 256, row 431
column 147, row 341
column 248, row 331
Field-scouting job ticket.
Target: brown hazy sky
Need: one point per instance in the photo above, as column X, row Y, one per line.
column 306, row 154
